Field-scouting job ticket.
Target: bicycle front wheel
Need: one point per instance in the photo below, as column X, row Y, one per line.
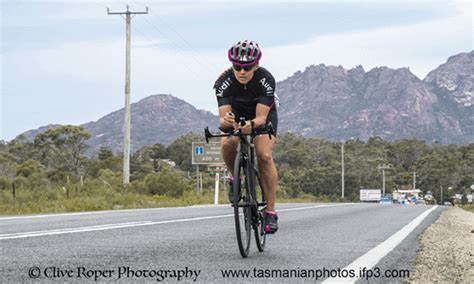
column 259, row 229
column 242, row 212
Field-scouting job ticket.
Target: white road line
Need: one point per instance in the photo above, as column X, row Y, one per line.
column 372, row 257
column 102, row 227
column 100, row 212
column 314, row 206
column 126, row 225
column 130, row 210
column 78, row 229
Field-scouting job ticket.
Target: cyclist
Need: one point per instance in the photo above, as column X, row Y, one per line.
column 248, row 90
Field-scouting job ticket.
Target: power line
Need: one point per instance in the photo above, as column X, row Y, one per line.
column 197, row 56
column 178, row 49
column 156, row 44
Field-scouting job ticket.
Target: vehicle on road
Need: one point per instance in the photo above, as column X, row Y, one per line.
column 386, row 200
column 420, row 202
column 402, row 201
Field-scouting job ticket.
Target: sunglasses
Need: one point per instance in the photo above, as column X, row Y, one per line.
column 246, row 68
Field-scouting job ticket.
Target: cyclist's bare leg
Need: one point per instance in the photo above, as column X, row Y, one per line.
column 229, row 151
column 267, row 169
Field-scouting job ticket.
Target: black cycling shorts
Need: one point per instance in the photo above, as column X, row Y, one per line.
column 273, row 118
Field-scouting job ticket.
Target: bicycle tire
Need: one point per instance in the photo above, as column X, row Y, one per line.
column 242, row 212
column 259, row 229
column 258, row 222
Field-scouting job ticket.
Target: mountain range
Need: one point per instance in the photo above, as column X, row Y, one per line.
column 324, row 101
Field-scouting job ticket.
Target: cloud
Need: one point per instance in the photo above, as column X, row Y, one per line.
column 421, row 47
column 78, row 82
column 75, row 82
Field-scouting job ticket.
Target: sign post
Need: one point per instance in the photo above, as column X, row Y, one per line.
column 216, row 192
column 207, row 154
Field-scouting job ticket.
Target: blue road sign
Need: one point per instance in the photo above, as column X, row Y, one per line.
column 199, row 150
column 206, row 153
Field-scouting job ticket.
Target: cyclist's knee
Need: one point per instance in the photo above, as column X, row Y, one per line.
column 265, row 157
column 228, row 145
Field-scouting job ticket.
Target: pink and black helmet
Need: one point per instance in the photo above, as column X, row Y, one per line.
column 244, row 53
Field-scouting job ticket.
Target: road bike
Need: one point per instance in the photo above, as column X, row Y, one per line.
column 248, row 207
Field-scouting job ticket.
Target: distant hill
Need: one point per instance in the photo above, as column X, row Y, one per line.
column 154, row 119
column 324, row 101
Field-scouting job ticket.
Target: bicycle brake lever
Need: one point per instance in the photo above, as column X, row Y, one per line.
column 242, row 121
column 207, row 133
column 270, row 130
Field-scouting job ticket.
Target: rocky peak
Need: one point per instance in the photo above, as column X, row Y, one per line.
column 335, row 103
column 455, row 79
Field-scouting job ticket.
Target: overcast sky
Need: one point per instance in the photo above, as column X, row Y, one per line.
column 64, row 61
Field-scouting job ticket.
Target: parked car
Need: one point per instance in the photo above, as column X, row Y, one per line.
column 386, row 200
column 447, row 203
column 402, row 201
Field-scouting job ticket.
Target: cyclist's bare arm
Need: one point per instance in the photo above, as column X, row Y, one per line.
column 261, row 115
column 226, row 117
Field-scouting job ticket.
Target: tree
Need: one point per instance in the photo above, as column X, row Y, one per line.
column 62, row 148
column 34, row 174
column 104, row 153
column 21, row 148
column 407, row 153
column 7, row 164
column 467, row 168
column 147, row 160
column 180, row 150
column 29, row 168
column 441, row 167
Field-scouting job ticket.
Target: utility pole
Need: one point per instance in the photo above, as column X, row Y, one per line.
column 126, row 138
column 342, row 165
column 383, row 168
column 414, row 181
column 441, row 195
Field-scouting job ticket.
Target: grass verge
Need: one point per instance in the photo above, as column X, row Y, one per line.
column 468, row 207
column 54, row 201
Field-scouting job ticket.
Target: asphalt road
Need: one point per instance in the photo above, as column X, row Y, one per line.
column 198, row 244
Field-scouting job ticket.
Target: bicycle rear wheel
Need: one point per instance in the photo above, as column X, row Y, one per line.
column 242, row 212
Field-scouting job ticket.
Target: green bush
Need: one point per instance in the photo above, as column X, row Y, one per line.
column 166, row 182
column 5, row 182
column 30, row 167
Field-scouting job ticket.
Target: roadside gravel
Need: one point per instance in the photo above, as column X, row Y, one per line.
column 446, row 254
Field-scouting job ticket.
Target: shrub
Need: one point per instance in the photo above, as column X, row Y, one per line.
column 166, row 182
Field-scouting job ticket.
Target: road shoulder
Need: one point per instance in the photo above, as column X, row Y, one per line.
column 446, row 253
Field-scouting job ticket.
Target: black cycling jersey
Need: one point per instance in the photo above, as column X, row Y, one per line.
column 243, row 98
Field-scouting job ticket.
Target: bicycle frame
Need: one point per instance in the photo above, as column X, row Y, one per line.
column 247, row 152
column 245, row 160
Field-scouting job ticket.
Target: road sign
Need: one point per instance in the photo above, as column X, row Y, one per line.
column 206, row 153
column 370, row 194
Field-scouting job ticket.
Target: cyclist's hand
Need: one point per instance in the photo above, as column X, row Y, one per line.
column 247, row 128
column 229, row 120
